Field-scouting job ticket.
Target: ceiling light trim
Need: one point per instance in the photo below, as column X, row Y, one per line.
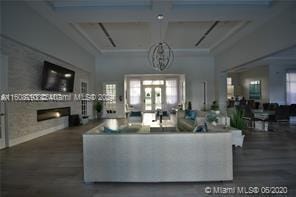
column 107, row 34
column 79, row 30
column 207, row 33
column 233, row 31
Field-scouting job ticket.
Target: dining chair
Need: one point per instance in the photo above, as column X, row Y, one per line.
column 282, row 113
column 293, row 110
column 248, row 116
column 265, row 106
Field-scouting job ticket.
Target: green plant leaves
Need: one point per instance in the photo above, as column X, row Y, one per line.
column 236, row 119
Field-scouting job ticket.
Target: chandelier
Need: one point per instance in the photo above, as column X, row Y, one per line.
column 160, row 54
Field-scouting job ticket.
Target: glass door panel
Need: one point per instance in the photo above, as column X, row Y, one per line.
column 3, row 86
column 158, row 98
column 153, row 98
column 148, row 99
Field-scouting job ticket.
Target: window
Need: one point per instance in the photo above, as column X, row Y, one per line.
column 255, row 90
column 153, row 82
column 171, row 91
column 110, row 91
column 230, row 88
column 291, row 87
column 83, row 87
column 135, row 92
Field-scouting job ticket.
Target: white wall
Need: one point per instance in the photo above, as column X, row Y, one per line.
column 277, row 82
column 196, row 69
column 24, row 76
column 242, row 82
column 23, row 24
column 274, row 35
column 28, row 39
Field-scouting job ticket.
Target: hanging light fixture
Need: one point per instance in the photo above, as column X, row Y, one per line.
column 160, row 54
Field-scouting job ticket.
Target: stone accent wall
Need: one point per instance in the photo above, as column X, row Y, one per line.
column 25, row 66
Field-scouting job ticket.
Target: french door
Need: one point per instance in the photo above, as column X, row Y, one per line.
column 153, row 98
column 3, row 85
column 2, row 126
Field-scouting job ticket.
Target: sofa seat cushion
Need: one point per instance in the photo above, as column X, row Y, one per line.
column 187, row 124
column 135, row 113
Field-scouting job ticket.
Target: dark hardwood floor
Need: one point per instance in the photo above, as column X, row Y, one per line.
column 52, row 166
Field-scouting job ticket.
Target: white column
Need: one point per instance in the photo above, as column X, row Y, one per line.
column 222, row 91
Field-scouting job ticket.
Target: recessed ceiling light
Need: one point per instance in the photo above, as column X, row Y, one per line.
column 68, row 75
column 160, row 17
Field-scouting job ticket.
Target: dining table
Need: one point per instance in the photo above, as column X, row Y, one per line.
column 262, row 117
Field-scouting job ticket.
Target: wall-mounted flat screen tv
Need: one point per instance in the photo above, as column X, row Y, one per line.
column 57, row 78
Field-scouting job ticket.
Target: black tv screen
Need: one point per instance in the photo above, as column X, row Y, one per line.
column 57, row 78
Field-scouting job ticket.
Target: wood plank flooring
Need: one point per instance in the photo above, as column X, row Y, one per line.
column 52, row 166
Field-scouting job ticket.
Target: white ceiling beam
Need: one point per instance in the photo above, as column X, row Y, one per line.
column 86, row 36
column 44, row 9
column 229, row 34
column 101, row 3
column 267, row 40
column 222, row 2
column 158, row 31
column 176, row 3
column 177, row 52
column 158, row 28
column 131, row 14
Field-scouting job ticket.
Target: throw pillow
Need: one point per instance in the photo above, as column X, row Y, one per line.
column 201, row 128
column 200, row 125
column 109, row 131
column 193, row 115
column 187, row 113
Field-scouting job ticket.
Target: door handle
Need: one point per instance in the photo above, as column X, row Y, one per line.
column 2, row 114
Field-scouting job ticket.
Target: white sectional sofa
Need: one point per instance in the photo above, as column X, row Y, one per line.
column 184, row 124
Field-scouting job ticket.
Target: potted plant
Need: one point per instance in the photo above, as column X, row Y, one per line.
column 99, row 107
column 236, row 119
column 189, row 106
column 212, row 118
column 215, row 107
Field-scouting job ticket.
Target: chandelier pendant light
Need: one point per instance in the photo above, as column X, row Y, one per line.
column 160, row 54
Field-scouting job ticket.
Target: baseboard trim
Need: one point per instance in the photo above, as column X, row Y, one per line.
column 19, row 140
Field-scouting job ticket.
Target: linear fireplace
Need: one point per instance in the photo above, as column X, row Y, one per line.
column 46, row 114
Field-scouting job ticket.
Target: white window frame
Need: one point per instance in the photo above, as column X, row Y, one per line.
column 130, row 101
column 168, row 95
column 110, row 105
column 289, row 98
column 230, row 88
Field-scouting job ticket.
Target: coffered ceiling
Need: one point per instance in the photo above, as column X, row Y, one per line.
column 280, row 58
column 106, row 26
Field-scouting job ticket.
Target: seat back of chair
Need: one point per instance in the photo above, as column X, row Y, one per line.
column 293, row 110
column 265, row 106
column 273, row 106
column 282, row 113
column 248, row 112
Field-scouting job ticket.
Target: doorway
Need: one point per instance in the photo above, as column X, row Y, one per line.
column 153, row 98
column 3, row 87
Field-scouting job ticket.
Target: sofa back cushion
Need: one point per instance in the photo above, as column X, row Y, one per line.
column 190, row 114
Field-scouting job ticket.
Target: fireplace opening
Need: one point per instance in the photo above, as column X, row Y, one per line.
column 46, row 114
